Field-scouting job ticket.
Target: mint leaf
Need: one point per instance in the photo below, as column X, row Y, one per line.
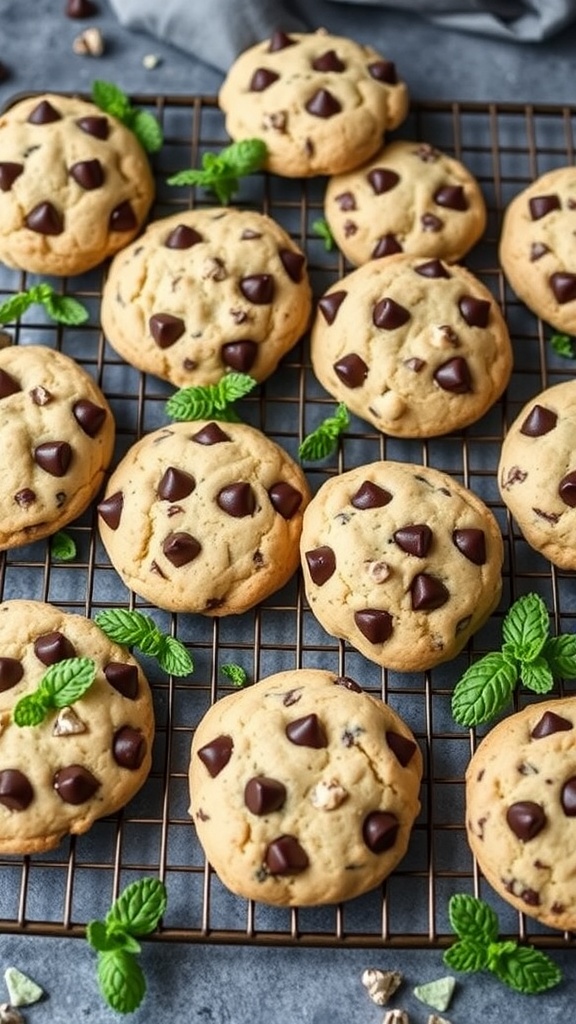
column 29, row 710
column 484, row 689
column 121, row 980
column 61, row 685
column 323, row 440
column 472, row 918
column 104, row 940
column 174, row 658
column 148, row 131
column 62, row 547
column 112, row 100
column 466, row 955
column 220, row 172
column 60, row 308
column 65, row 310
column 130, row 628
column 210, row 401
column 526, row 627
column 235, row 673
column 563, row 345
column 560, row 653
column 527, row 970
column 322, row 229
column 536, row 675
column 139, row 907
column 14, row 307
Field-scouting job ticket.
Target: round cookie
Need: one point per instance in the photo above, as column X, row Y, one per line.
column 538, row 248
column 204, row 292
column 57, row 434
column 411, row 198
column 417, row 347
column 401, row 561
column 81, row 762
column 320, row 102
column 75, row 185
column 521, row 810
column 537, row 473
column 303, row 789
column 204, row 517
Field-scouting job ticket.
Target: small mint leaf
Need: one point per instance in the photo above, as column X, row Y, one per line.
column 526, row 627
column 527, row 970
column 105, row 939
column 30, row 710
column 537, row 676
column 121, row 980
column 63, row 309
column 174, row 658
column 62, row 547
column 235, row 673
column 323, row 440
column 221, row 172
column 466, row 955
column 321, row 228
column 130, row 628
column 139, row 907
column 111, row 99
column 148, row 131
column 472, row 918
column 484, row 689
column 563, row 345
column 560, row 653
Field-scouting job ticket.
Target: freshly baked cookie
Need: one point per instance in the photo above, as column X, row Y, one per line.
column 204, row 517
column 520, row 809
column 57, row 437
column 303, row 789
column 537, row 473
column 320, row 102
column 206, row 291
column 83, row 761
column 538, row 247
column 75, row 185
column 417, row 347
column 410, row 197
column 402, row 561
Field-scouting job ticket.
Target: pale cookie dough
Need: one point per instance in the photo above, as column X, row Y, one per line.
column 520, row 809
column 83, row 761
column 410, row 197
column 75, row 185
column 321, row 103
column 204, row 517
column 205, row 292
column 304, row 789
column 537, row 473
column 57, row 437
column 538, row 247
column 417, row 347
column 402, row 561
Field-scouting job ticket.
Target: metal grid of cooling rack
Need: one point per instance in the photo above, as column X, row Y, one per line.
column 505, row 146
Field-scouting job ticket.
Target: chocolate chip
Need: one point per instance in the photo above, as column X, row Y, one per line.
column 123, row 218
column 166, row 329
column 475, row 311
column 81, row 9
column 386, row 246
column 175, row 484
column 285, row 856
column 237, row 500
column 329, row 61
column 11, row 672
column 181, row 548
column 279, row 41
column 376, row 625
column 89, row 416
column 537, row 251
column 388, row 315
column 384, row 71
column 430, row 222
column 471, row 543
column 452, row 197
column 53, row 457
column 8, row 386
column 110, row 509
column 216, row 754
column 4, row 72
column 53, row 647
column 549, row 724
column 402, row 747
column 183, row 237
column 263, row 795
column 414, row 540
column 567, row 489
column 428, row 593
column 44, row 219
column 541, row 205
column 525, row 819
column 16, row 792
column 321, row 564
column 239, row 355
column 96, row 126
column 129, row 747
column 285, row 499
column 262, row 79
column 323, row 104
column 25, row 497
column 307, row 732
column 351, row 370
column 415, row 364
column 564, row 287
column 539, row 421
column 382, row 180
column 370, row 495
column 75, row 784
column 8, row 174
column 89, row 174
column 44, row 113
column 330, row 304
column 293, row 263
column 258, row 288
column 568, row 797
column 40, row 395
column 379, row 831
column 345, row 201
column 454, row 376
column 432, row 268
column 123, row 677
column 348, row 684
column 210, row 434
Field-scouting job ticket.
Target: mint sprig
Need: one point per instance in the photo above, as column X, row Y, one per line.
column 523, row 968
column 112, row 100
column 323, row 440
column 134, row 629
column 564, row 345
column 61, row 308
column 321, row 228
column 210, row 401
column 236, row 674
column 62, row 547
column 528, row 654
column 61, row 685
column 221, row 172
column 135, row 913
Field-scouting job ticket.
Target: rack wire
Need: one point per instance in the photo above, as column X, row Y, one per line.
column 505, row 146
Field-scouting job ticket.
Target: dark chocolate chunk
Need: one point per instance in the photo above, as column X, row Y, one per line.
column 346, row 201
column 279, row 41
column 293, row 263
column 370, row 495
column 11, row 673
column 414, row 539
column 123, row 677
column 389, row 315
column 216, row 754
column 53, row 647
column 348, row 684
column 96, row 126
column 415, row 364
column 181, row 548
column 428, row 593
column 44, row 219
column 175, row 484
column 567, row 489
column 16, row 791
column 376, row 625
column 258, row 288
column 110, row 509
column 430, row 222
column 402, row 747
column 432, row 268
column 539, row 421
column 330, row 304
column 237, row 500
column 525, row 819
column 89, row 174
column 183, row 237
column 44, row 113
column 386, row 246
column 384, row 71
column 568, row 797
column 81, row 8
column 75, row 784
column 323, row 104
column 89, row 416
column 285, row 499
column 263, row 795
column 8, row 173
column 307, row 732
column 25, row 497
column 471, row 542
column 40, row 395
column 262, row 79
column 129, row 747
column 239, row 355
column 8, row 386
column 549, row 724
column 123, row 218
column 321, row 564
column 351, row 370
column 454, row 376
column 564, row 287
column 453, row 197
column 54, row 457
column 210, row 434
column 285, row 856
column 329, row 61
column 476, row 312
column 166, row 329
column 537, row 251
column 379, row 831
column 541, row 205
column 382, row 180
column 4, row 72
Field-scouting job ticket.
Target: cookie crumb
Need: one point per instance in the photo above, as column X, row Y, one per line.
column 381, row 984
column 326, row 796
column 151, row 61
column 21, row 989
column 435, row 1019
column 436, row 993
column 396, row 1017
column 8, row 1015
column 89, row 43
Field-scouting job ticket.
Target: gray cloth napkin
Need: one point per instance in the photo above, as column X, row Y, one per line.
column 216, row 33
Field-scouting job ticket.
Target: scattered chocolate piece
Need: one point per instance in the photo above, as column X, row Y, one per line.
column 285, row 856
column 321, row 564
column 40, row 395
column 237, row 500
column 542, row 205
column 351, row 370
column 323, row 104
column 16, row 791
column 263, row 795
column 526, row 819
column 81, row 9
column 123, row 677
column 216, row 754
column 110, row 509
column 376, row 625
column 75, row 784
column 379, row 831
column 307, row 732
column 539, row 421
column 4, row 72
column 129, row 747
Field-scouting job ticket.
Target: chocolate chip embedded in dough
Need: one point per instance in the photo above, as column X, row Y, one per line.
column 329, row 61
column 539, row 206
column 549, row 724
column 348, row 684
column 563, row 286
column 123, row 678
column 388, row 315
column 183, row 237
column 240, row 355
column 568, row 797
column 293, row 263
column 370, row 495
column 262, row 79
column 129, row 747
column 415, row 364
column 402, row 747
column 175, row 484
column 307, row 732
column 53, row 457
column 539, row 421
column 285, row 856
column 537, row 251
column 432, row 268
column 181, row 548
column 110, row 509
column 323, row 104
column 525, row 819
column 321, row 564
column 25, row 497
column 428, row 593
column 567, row 489
column 345, row 201
column 453, row 197
column 53, row 647
column 279, row 41
column 330, row 304
column 258, row 288
column 166, row 329
column 89, row 416
column 237, row 499
column 9, row 171
column 210, row 434
column 382, row 179
column 263, row 795
column 285, row 499
column 216, row 754
column 386, row 246
column 375, row 624
column 16, row 791
column 44, row 219
column 476, row 312
column 89, row 174
column 471, row 542
column 351, row 370
column 75, row 784
column 414, row 539
column 44, row 113
column 123, row 218
column 430, row 222
column 8, row 386
column 11, row 672
column 96, row 126
column 379, row 831
column 454, row 376
column 384, row 71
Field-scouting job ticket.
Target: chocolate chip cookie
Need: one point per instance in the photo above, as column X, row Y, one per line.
column 320, row 102
column 57, row 434
column 537, row 473
column 520, row 805
column 304, row 789
column 415, row 346
column 411, row 198
column 204, row 517
column 83, row 761
column 538, row 248
column 75, row 185
column 204, row 292
column 402, row 561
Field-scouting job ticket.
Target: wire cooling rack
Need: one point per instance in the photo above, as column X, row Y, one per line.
column 506, row 146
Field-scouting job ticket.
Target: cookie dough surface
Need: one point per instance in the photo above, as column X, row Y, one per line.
column 57, row 437
column 402, row 561
column 205, row 292
column 82, row 762
column 304, row 789
column 75, row 185
column 321, row 103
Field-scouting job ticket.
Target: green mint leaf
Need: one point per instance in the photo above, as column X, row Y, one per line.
column 526, row 628
column 130, row 628
column 66, row 681
column 210, row 401
column 112, row 100
column 233, row 386
column 121, row 980
column 537, row 676
column 60, row 308
column 139, row 907
column 29, row 710
column 526, row 969
column 62, row 547
column 323, row 440
column 104, row 939
column 65, row 310
column 472, row 918
column 14, row 307
column 245, row 157
column 563, row 345
column 235, row 673
column 174, row 658
column 148, row 131
column 483, row 690
column 221, row 172
column 560, row 653
column 322, row 229
column 466, row 955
